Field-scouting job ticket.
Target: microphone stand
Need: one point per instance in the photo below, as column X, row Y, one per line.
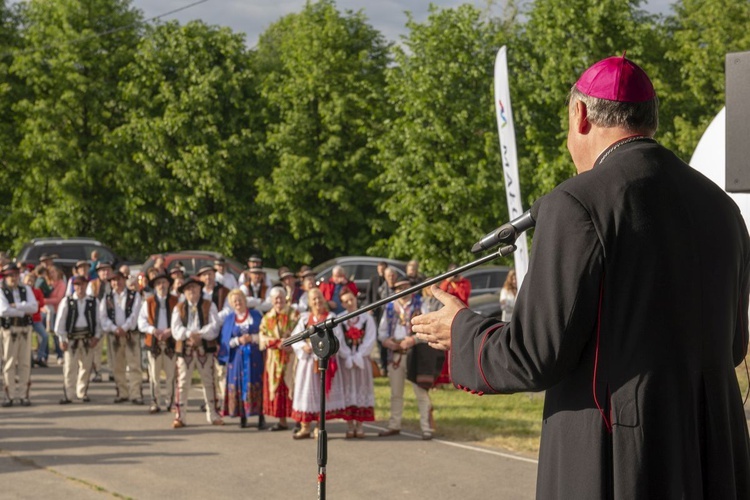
column 325, row 344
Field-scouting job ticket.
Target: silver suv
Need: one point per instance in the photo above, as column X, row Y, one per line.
column 68, row 251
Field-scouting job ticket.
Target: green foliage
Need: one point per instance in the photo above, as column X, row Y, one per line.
column 188, row 147
column 323, row 81
column 66, row 172
column 442, row 174
column 11, row 91
column 701, row 33
column 324, row 140
column 559, row 41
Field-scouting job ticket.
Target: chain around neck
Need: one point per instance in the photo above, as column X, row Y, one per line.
column 619, row 143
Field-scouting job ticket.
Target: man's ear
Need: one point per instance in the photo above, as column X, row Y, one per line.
column 580, row 117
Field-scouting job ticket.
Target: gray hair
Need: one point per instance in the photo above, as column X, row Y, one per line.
column 337, row 270
column 640, row 117
column 277, row 290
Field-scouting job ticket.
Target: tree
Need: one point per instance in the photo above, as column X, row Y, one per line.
column 559, row 41
column 188, row 148
column 323, row 84
column 441, row 184
column 11, row 91
column 70, row 59
column 700, row 34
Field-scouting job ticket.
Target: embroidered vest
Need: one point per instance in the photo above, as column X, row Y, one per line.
column 413, row 308
column 9, row 297
column 261, row 291
column 152, row 308
column 129, row 300
column 204, row 309
column 219, row 296
column 89, row 313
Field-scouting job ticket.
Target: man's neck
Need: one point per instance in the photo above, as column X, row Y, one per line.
column 602, row 138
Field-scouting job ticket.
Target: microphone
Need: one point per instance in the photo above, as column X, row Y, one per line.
column 509, row 232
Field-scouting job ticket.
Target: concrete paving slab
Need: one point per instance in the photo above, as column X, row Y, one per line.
column 103, row 450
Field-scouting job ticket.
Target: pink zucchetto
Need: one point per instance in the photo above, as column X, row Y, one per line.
column 616, row 79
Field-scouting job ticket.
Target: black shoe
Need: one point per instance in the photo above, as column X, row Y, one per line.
column 203, row 407
column 278, row 427
column 25, row 402
column 41, row 363
column 65, row 401
column 261, row 422
column 97, row 378
column 85, row 399
column 297, row 427
column 243, row 422
column 7, row 403
column 120, row 400
column 138, row 401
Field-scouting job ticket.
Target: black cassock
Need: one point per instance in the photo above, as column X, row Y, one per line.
column 637, row 285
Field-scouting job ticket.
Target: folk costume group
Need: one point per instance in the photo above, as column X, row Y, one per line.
column 231, row 338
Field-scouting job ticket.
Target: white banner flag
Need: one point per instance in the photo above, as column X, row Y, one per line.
column 507, row 134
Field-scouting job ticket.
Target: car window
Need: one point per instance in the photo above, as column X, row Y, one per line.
column 366, row 271
column 497, row 279
column 33, row 253
column 104, row 254
column 479, row 281
column 349, row 271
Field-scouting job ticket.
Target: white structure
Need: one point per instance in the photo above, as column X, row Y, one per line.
column 709, row 159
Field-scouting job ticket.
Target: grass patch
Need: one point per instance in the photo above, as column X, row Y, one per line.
column 512, row 422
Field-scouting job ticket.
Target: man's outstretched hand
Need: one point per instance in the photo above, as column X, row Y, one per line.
column 435, row 327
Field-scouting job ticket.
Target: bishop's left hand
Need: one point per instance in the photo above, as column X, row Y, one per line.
column 435, row 327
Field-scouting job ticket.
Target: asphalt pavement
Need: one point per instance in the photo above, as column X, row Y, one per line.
column 103, row 450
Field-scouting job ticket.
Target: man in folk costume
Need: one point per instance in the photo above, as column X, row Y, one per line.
column 154, row 321
column 642, row 400
column 98, row 288
column 195, row 326
column 79, row 331
column 396, row 335
column 17, row 304
column 216, row 293
column 278, row 376
column 291, row 287
column 256, row 290
column 81, row 269
column 46, row 261
column 118, row 314
column 223, row 276
column 254, row 262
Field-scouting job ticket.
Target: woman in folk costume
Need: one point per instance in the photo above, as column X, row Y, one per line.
column 306, row 400
column 240, row 351
column 360, row 335
column 278, row 377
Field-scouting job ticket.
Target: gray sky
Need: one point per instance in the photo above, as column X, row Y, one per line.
column 254, row 16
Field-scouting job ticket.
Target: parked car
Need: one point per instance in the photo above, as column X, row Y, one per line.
column 193, row 260
column 486, row 279
column 68, row 251
column 487, row 304
column 357, row 268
